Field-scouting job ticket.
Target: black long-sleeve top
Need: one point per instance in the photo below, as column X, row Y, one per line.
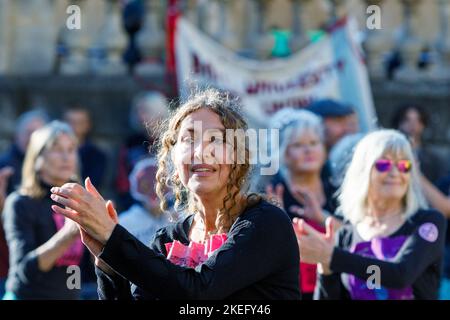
column 409, row 269
column 28, row 224
column 259, row 260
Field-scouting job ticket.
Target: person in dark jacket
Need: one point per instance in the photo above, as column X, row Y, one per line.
column 11, row 174
column 444, row 187
column 392, row 245
column 230, row 245
column 93, row 164
column 412, row 120
column 93, row 161
column 42, row 244
column 5, row 173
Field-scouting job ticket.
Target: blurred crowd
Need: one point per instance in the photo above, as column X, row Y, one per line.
column 62, row 151
column 316, row 148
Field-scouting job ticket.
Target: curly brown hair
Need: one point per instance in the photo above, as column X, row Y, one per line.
column 228, row 109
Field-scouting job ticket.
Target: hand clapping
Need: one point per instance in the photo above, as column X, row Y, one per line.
column 86, row 207
column 314, row 246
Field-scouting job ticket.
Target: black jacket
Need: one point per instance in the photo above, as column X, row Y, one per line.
column 28, row 224
column 416, row 265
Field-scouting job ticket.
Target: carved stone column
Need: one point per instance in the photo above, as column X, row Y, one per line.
column 151, row 39
column 75, row 44
column 410, row 45
column 33, row 37
column 5, row 35
column 441, row 69
column 377, row 44
column 261, row 41
column 299, row 36
column 224, row 34
column 113, row 39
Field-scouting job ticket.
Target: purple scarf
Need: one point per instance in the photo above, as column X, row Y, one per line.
column 382, row 249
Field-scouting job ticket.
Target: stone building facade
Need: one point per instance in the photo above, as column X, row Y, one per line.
column 44, row 63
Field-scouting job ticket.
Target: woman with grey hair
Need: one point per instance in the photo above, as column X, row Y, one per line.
column 392, row 245
column 298, row 188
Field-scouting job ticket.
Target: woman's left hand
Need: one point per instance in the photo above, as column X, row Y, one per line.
column 315, row 247
column 311, row 206
column 86, row 207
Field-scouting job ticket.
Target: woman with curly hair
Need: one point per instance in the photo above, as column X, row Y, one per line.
column 230, row 245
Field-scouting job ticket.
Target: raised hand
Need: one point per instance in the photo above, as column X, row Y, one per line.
column 315, row 247
column 311, row 210
column 276, row 194
column 94, row 246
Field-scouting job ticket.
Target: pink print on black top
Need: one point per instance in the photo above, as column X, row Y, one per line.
column 74, row 254
column 196, row 253
column 382, row 249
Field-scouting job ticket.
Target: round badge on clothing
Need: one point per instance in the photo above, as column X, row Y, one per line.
column 429, row 232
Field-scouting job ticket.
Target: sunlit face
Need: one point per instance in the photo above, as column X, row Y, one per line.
column 305, row 153
column 59, row 161
column 412, row 124
column 391, row 185
column 201, row 156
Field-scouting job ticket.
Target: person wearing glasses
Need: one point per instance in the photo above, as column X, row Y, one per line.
column 392, row 245
column 42, row 243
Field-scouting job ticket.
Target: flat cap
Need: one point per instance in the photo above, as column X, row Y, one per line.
column 328, row 108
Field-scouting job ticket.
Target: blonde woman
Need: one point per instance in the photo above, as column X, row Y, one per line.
column 392, row 247
column 42, row 244
column 231, row 245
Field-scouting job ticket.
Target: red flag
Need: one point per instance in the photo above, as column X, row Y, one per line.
column 173, row 13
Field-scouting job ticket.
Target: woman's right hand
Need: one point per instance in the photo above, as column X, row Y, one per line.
column 276, row 194
column 315, row 247
column 86, row 207
column 95, row 246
